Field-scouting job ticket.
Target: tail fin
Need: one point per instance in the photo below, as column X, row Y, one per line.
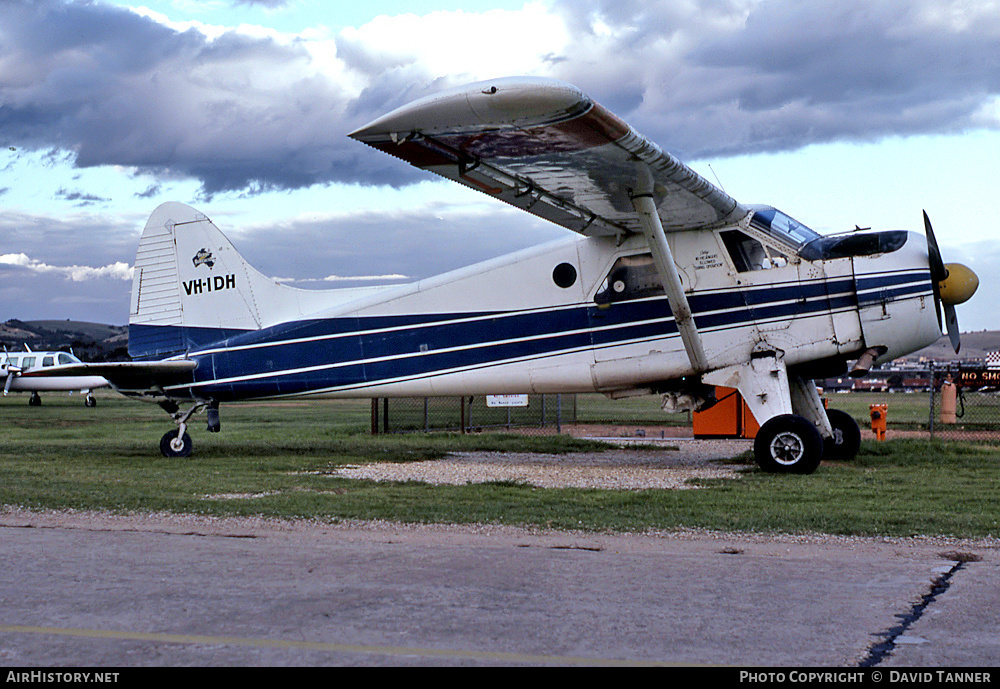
column 191, row 287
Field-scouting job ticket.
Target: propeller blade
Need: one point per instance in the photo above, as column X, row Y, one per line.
column 953, row 333
column 938, row 271
column 6, row 386
column 937, row 267
column 953, row 284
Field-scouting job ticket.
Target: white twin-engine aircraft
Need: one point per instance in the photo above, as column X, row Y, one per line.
column 15, row 365
column 669, row 286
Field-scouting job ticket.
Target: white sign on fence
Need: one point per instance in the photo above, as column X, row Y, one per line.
column 506, row 400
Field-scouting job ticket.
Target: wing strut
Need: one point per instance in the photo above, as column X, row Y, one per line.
column 652, row 228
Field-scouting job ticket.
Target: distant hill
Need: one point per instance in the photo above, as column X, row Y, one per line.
column 89, row 341
column 974, row 346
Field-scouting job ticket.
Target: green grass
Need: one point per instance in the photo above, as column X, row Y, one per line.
column 65, row 456
column 905, row 410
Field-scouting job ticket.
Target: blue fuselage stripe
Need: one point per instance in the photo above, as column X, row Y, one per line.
column 337, row 353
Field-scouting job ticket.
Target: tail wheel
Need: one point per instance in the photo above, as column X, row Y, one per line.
column 172, row 444
column 788, row 444
column 846, row 440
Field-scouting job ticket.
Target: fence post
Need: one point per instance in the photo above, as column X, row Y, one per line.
column 930, row 418
column 374, row 416
column 559, row 413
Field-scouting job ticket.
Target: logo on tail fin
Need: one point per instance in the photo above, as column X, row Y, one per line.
column 204, row 256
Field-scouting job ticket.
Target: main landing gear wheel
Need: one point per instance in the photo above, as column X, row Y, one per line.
column 788, row 444
column 173, row 446
column 846, row 440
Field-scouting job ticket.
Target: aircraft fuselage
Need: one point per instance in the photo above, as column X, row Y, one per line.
column 583, row 315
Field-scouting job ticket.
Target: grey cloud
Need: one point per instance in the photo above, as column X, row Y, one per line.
column 150, row 192
column 84, row 240
column 91, row 238
column 237, row 112
column 702, row 78
column 80, row 197
column 721, row 78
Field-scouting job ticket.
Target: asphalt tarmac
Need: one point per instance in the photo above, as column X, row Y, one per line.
column 111, row 592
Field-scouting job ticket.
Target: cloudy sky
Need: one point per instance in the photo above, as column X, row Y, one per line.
column 840, row 112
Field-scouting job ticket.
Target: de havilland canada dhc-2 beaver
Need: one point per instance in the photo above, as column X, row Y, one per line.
column 669, row 286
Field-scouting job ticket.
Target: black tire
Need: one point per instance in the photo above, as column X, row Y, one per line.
column 788, row 444
column 90, row 401
column 846, row 440
column 171, row 447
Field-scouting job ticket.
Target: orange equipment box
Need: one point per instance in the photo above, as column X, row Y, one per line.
column 728, row 418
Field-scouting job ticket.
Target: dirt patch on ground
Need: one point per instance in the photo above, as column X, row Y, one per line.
column 658, row 465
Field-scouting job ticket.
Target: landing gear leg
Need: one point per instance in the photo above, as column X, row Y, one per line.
column 177, row 443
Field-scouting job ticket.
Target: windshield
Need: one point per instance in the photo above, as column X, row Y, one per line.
column 781, row 226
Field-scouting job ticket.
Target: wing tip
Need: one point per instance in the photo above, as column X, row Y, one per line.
column 506, row 101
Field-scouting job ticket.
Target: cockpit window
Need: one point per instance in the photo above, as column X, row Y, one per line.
column 631, row 277
column 65, row 358
column 785, row 228
column 748, row 254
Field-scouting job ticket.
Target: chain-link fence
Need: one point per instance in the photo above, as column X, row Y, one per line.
column 591, row 415
column 525, row 413
column 965, row 404
column 946, row 401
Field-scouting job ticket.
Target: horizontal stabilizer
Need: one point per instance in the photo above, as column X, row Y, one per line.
column 125, row 375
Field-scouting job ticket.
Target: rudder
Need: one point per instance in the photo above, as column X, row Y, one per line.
column 190, row 286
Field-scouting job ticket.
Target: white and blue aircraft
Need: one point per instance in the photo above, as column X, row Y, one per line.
column 14, row 365
column 667, row 286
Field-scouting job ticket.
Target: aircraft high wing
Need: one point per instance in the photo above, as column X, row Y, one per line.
column 545, row 147
column 669, row 286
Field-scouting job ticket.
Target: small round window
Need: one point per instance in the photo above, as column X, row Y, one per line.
column 564, row 275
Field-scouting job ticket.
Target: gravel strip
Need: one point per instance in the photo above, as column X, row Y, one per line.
column 673, row 467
